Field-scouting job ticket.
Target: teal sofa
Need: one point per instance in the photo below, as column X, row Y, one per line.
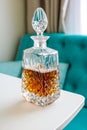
column 72, row 51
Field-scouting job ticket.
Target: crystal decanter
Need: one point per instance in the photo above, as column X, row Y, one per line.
column 40, row 74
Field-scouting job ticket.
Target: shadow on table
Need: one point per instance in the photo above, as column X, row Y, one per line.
column 19, row 109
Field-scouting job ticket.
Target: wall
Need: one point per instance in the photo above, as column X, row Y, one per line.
column 12, row 27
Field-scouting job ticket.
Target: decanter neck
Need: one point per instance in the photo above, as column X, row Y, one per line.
column 40, row 41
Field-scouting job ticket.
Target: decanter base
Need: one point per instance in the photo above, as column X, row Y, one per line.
column 39, row 100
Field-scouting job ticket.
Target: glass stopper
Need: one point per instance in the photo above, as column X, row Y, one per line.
column 39, row 21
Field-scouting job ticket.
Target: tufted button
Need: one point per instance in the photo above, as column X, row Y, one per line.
column 74, row 85
column 82, row 45
column 63, row 43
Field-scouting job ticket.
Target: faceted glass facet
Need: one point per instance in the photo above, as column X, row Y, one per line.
column 39, row 21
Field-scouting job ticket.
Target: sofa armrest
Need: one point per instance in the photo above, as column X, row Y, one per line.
column 13, row 68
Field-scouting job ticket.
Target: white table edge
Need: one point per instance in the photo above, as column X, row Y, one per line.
column 70, row 118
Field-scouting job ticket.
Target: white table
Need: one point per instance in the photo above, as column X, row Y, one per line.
column 17, row 114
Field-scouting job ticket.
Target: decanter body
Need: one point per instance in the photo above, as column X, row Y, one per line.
column 40, row 75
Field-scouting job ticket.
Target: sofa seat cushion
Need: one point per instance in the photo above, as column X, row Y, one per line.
column 63, row 68
column 79, row 122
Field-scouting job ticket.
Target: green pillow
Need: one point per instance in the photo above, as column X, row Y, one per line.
column 63, row 67
column 12, row 68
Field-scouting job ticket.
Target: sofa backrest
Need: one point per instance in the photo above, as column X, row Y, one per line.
column 72, row 50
